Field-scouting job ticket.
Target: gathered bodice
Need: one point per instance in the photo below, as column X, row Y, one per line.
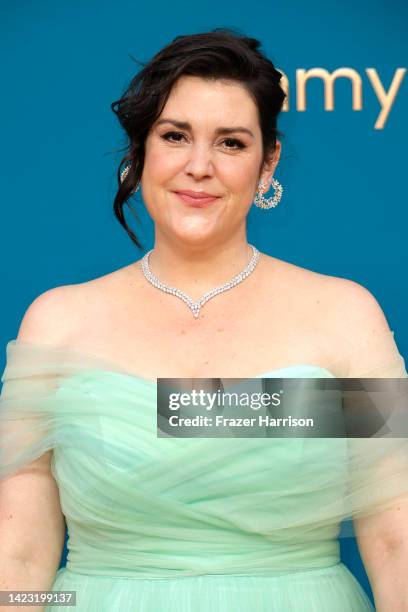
column 152, row 506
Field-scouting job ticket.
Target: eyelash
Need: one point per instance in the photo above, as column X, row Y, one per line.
column 239, row 143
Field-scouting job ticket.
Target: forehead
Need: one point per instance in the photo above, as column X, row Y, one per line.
column 194, row 99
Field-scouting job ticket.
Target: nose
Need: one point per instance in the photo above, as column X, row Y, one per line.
column 199, row 163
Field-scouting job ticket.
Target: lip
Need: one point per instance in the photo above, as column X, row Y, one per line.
column 198, row 199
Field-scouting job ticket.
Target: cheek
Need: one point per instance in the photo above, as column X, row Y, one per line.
column 239, row 177
column 160, row 164
column 156, row 164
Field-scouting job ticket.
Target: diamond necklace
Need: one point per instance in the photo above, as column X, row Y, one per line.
column 196, row 306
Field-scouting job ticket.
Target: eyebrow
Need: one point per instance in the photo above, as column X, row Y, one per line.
column 185, row 125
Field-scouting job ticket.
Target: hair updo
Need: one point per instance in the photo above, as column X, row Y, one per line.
column 219, row 54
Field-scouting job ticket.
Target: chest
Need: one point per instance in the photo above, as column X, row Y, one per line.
column 231, row 338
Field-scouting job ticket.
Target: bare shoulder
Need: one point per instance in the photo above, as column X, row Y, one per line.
column 61, row 313
column 367, row 342
column 306, row 286
column 348, row 302
column 51, row 315
column 362, row 314
column 355, row 309
column 347, row 310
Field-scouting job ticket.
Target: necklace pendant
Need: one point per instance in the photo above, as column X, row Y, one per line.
column 195, row 307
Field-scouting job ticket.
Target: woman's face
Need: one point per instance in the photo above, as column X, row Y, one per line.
column 185, row 150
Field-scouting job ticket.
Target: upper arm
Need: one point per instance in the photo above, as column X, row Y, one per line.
column 32, row 525
column 372, row 352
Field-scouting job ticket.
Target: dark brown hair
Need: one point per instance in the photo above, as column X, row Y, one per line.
column 219, row 54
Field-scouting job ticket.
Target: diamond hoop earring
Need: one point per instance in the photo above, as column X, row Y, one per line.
column 124, row 174
column 262, row 202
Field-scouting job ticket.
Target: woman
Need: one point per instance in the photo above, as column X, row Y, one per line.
column 163, row 524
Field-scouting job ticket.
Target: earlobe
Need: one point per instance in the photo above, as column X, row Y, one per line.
column 271, row 163
column 269, row 166
column 267, row 176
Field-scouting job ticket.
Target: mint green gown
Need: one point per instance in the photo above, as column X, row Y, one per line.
column 184, row 525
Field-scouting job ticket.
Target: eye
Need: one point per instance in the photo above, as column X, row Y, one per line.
column 238, row 143
column 167, row 134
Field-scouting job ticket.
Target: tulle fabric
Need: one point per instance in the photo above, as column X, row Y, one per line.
column 186, row 523
column 329, row 589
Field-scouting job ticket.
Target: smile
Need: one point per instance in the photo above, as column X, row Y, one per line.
column 200, row 202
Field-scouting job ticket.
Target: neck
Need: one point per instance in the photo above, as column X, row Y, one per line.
column 196, row 270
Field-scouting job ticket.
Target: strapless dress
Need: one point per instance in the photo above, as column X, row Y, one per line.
column 164, row 524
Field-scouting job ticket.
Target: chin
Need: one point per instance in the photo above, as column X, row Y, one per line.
column 192, row 238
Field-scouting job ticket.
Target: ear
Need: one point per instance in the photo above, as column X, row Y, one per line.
column 269, row 166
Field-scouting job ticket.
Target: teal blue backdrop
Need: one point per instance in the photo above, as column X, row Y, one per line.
column 343, row 163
